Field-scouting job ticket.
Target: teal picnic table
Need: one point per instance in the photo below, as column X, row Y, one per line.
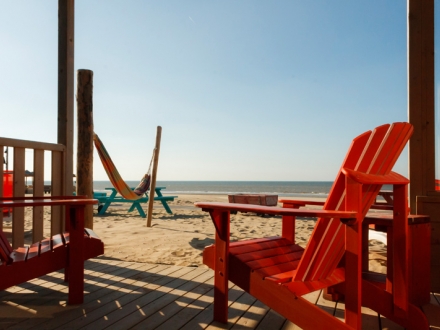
column 105, row 201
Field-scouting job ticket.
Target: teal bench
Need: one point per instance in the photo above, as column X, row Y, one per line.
column 105, row 201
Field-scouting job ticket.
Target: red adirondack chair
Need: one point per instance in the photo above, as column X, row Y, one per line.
column 67, row 250
column 279, row 272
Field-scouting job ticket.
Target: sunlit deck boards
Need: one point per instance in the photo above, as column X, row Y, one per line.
column 126, row 295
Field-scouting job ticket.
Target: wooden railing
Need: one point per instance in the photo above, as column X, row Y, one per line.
column 57, row 152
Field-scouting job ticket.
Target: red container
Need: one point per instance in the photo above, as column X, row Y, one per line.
column 7, row 187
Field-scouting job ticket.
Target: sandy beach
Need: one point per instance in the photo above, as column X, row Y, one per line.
column 179, row 238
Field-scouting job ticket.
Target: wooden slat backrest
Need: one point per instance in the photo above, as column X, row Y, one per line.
column 373, row 152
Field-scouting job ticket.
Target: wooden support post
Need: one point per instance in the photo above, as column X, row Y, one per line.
column 423, row 197
column 84, row 157
column 154, row 175
column 66, row 18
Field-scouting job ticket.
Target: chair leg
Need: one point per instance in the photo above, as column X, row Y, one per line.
column 75, row 267
column 221, row 266
column 353, row 275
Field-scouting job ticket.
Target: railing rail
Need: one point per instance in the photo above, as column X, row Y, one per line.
column 16, row 143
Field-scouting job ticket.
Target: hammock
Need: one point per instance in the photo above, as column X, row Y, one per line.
column 115, row 178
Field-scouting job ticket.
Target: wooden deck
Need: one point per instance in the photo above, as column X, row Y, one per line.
column 128, row 295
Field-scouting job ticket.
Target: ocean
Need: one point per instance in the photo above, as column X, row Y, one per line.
column 280, row 188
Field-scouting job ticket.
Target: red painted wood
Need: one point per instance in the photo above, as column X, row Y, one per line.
column 273, row 270
column 209, row 256
column 250, row 242
column 260, row 245
column 288, row 223
column 420, row 258
column 59, row 240
column 281, row 278
column 353, row 256
column 298, row 310
column 19, row 254
column 60, row 251
column 5, row 249
column 28, row 203
column 375, row 179
column 292, row 203
column 75, row 269
column 221, row 265
column 382, row 301
column 401, row 249
column 211, row 206
column 34, row 251
column 271, row 255
column 45, row 245
column 270, row 271
column 299, row 288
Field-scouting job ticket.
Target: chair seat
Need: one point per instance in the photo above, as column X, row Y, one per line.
column 48, row 255
column 273, row 258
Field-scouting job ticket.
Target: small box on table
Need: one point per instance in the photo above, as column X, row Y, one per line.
column 256, row 199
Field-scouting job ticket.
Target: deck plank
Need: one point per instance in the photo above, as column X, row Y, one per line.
column 112, row 309
column 432, row 312
column 202, row 309
column 272, row 320
column 435, row 298
column 162, row 310
column 155, row 302
column 252, row 317
column 127, row 295
column 235, row 310
column 370, row 319
column 40, row 292
column 92, row 300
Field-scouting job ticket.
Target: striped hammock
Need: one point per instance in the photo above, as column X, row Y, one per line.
column 115, row 178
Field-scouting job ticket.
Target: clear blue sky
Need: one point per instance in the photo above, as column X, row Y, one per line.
column 244, row 90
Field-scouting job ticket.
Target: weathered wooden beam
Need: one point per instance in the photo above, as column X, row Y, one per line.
column 16, row 143
column 421, row 112
column 153, row 176
column 66, row 18
column 421, row 98
column 84, row 156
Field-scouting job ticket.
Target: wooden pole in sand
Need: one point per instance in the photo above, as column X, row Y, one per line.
column 154, row 175
column 84, row 158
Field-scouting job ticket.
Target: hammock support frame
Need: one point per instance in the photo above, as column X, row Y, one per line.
column 147, row 181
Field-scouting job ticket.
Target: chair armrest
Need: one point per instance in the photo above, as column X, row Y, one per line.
column 46, row 201
column 228, row 207
column 299, row 203
column 364, row 178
